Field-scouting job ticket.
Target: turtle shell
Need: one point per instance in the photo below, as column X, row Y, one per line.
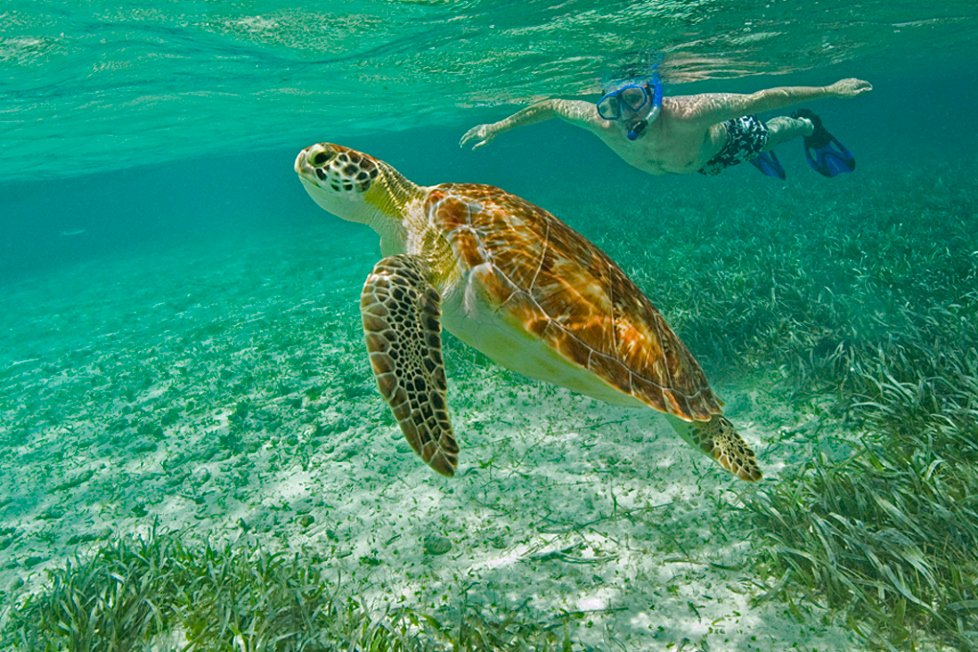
column 570, row 294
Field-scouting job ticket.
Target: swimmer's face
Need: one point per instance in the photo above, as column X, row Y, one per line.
column 626, row 102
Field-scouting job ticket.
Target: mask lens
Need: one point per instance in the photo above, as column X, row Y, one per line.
column 633, row 97
column 609, row 108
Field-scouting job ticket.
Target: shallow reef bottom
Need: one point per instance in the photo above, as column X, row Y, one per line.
column 215, row 406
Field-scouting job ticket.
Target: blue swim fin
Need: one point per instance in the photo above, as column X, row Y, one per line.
column 769, row 164
column 825, row 154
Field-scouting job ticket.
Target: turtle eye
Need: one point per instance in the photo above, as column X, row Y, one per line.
column 321, row 158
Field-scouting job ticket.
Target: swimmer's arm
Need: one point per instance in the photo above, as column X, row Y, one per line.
column 710, row 108
column 576, row 112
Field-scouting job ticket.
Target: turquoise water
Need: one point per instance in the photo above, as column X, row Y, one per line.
column 180, row 344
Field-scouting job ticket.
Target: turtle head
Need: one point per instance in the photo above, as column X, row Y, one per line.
column 352, row 185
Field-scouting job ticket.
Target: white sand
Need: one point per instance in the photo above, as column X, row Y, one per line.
column 561, row 505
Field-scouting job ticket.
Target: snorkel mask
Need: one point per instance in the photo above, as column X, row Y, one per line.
column 632, row 100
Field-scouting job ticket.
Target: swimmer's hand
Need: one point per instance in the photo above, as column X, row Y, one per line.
column 481, row 134
column 850, row 87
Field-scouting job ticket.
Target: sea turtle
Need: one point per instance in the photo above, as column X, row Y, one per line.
column 516, row 283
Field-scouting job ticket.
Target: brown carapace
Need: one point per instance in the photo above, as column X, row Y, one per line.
column 512, row 280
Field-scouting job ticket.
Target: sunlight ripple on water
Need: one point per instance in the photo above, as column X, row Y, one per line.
column 118, row 85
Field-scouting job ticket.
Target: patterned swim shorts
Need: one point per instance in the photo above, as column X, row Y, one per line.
column 746, row 137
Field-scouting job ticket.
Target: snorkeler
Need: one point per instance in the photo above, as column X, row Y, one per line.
column 703, row 133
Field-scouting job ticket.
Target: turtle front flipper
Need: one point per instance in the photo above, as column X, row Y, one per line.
column 400, row 313
column 719, row 439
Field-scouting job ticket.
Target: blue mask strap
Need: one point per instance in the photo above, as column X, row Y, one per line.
column 657, row 90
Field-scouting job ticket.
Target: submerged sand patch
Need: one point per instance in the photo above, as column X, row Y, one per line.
column 240, row 409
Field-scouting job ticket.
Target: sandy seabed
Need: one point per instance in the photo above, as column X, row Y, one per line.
column 225, row 392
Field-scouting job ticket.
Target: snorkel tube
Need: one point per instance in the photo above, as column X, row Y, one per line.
column 637, row 128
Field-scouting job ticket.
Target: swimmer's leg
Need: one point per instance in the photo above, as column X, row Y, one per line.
column 782, row 129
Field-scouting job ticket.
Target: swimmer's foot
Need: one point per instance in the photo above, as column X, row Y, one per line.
column 769, row 164
column 825, row 154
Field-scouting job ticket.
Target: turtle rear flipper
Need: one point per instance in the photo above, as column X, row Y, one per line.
column 719, row 439
column 401, row 313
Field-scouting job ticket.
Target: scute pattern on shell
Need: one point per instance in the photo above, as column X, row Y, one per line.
column 569, row 293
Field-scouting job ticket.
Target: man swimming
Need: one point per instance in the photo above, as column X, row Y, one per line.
column 703, row 133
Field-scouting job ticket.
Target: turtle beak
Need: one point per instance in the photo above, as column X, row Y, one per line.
column 303, row 163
